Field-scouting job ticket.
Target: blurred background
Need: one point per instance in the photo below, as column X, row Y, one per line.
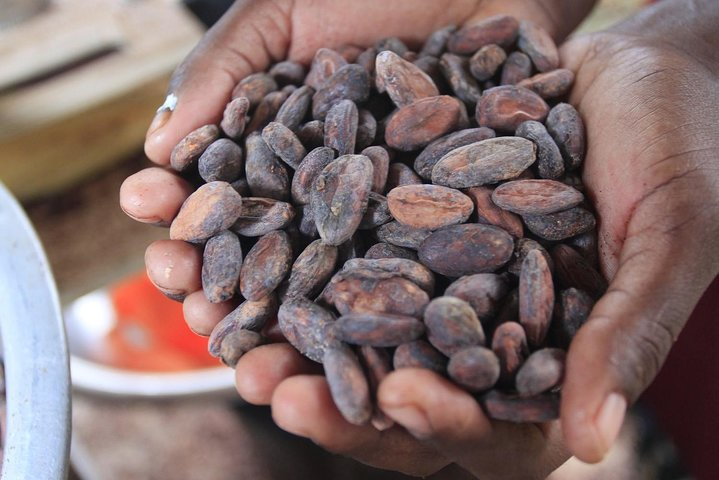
column 79, row 82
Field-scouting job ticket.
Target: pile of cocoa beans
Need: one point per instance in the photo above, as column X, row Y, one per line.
column 390, row 208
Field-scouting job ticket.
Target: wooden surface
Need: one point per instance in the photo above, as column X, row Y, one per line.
column 59, row 128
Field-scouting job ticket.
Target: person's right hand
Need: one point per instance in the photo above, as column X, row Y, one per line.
column 248, row 38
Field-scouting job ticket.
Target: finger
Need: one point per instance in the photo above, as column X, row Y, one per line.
column 303, row 405
column 246, row 39
column 618, row 352
column 153, row 195
column 261, row 370
column 201, row 315
column 174, row 267
column 434, row 409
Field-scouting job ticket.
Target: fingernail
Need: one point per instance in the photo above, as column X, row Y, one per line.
column 163, row 114
column 412, row 419
column 610, row 417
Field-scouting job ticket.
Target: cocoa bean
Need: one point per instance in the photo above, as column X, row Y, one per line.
column 254, row 87
column 499, row 29
column 483, row 291
column 295, row 108
column 538, row 44
column 221, row 262
column 517, row 409
column 506, row 107
column 436, row 43
column 188, row 151
column 456, row 71
column 339, row 197
column 574, row 271
column 560, row 225
column 566, row 127
column 262, row 215
column 485, row 63
column 586, row 245
column 488, row 213
column 377, row 212
column 284, row 143
column 429, row 206
column 366, row 130
column 517, row 67
column 236, row 344
column 266, row 265
column 308, row 171
column 378, row 330
column 341, row 127
column 266, row 111
column 348, row 384
column 460, row 250
column 452, row 325
column 485, row 162
column 349, row 82
column 360, row 293
column 266, row 175
column 247, row 316
column 367, row 60
column 536, row 297
column 552, row 84
column 312, row 270
column 222, row 160
column 425, row 161
column 387, row 250
column 475, row 368
column 413, row 271
column 399, row 175
column 542, row 371
column 416, row 125
column 419, row 354
column 401, row 235
column 312, row 134
column 536, row 197
column 380, row 167
column 288, row 72
column 377, row 364
column 306, row 224
column 325, row 63
column 242, row 187
column 550, row 163
column 571, row 312
column 234, row 117
column 509, row 343
column 404, row 82
column 207, row 211
column 393, row 44
column 308, row 327
column 522, row 247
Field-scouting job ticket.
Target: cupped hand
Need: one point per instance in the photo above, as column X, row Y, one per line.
column 647, row 91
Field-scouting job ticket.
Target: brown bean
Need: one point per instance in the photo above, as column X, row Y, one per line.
column 237, row 343
column 509, row 343
column 367, row 60
column 266, row 265
column 429, row 206
column 284, row 143
column 266, row 176
column 377, row 364
column 506, row 107
column 312, row 270
column 247, row 316
column 254, row 87
column 399, row 175
column 538, row 44
column 287, row 72
column 366, row 130
column 325, row 63
column 566, row 127
column 266, row 111
column 419, row 354
column 452, row 325
column 412, row 270
column 188, row 150
column 349, row 82
column 518, row 67
column 308, row 327
column 339, row 197
column 234, row 118
column 387, row 250
column 571, row 312
column 460, row 250
column 536, row 197
column 475, row 368
column 485, row 63
column 513, row 408
column 550, row 163
column 560, row 225
column 221, row 262
column 341, row 127
column 359, row 292
column 380, row 167
column 348, row 384
column 536, row 297
column 378, row 329
column 552, row 84
column 295, row 108
column 522, row 247
column 222, row 160
column 456, row 71
column 436, row 43
column 418, row 124
column 308, row 171
column 499, row 29
column 377, row 212
column 262, row 215
column 574, row 271
column 210, row 209
column 488, row 213
column 434, row 152
column 312, row 134
column 483, row 291
column 404, row 82
column 542, row 371
column 401, row 235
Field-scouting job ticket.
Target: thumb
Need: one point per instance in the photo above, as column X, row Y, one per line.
column 661, row 274
column 245, row 40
